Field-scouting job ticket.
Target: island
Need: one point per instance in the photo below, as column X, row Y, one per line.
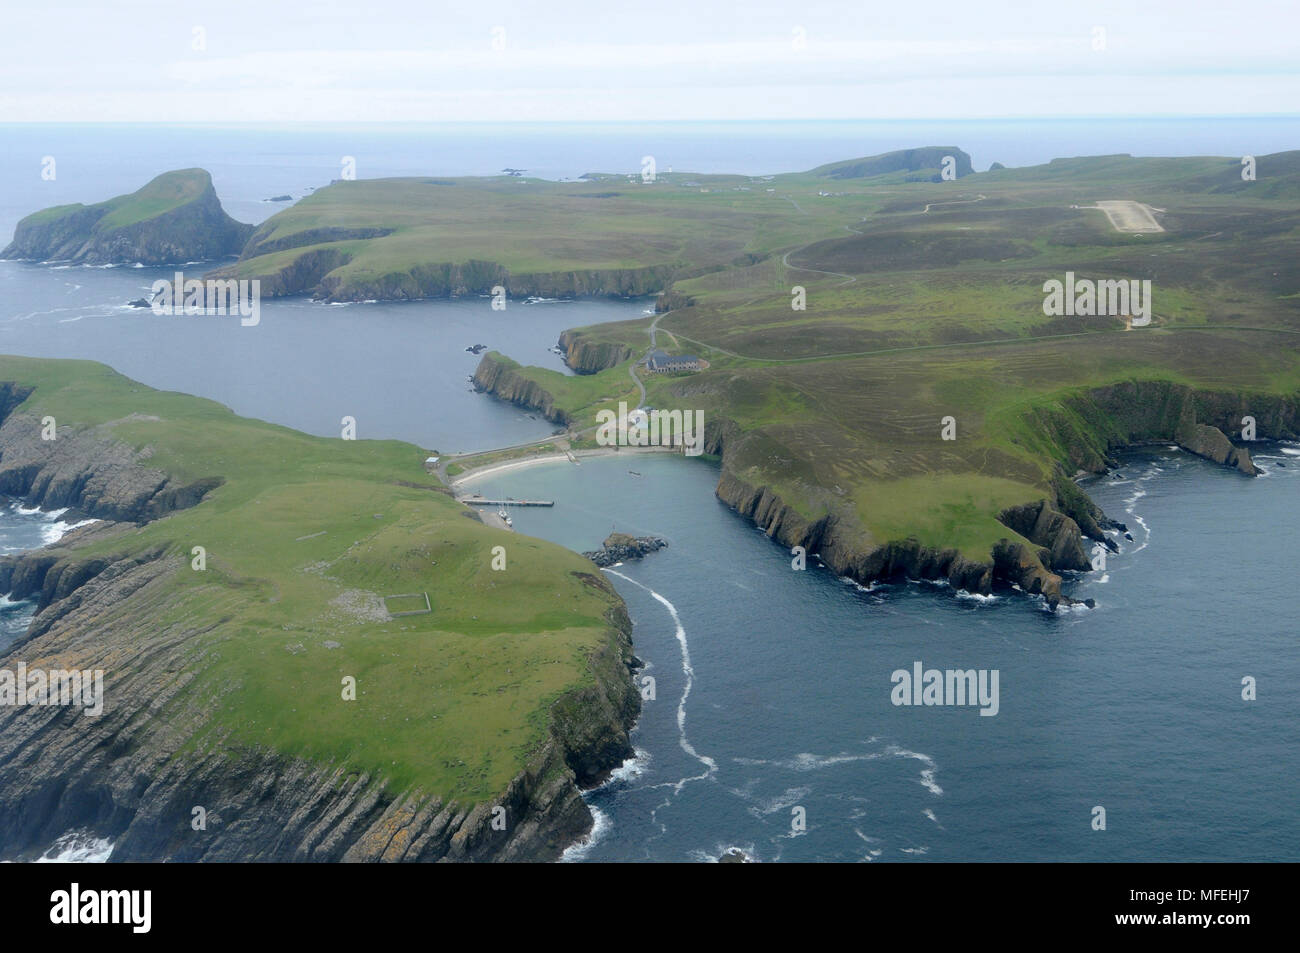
column 620, row 547
column 175, row 218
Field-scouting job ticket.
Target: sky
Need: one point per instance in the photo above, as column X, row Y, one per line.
column 558, row 60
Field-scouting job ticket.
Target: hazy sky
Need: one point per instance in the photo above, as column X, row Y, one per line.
column 326, row 60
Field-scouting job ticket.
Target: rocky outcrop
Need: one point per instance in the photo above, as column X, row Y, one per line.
column 1044, row 526
column 1210, row 443
column 88, row 471
column 585, row 356
column 620, row 547
column 501, row 377
column 194, row 227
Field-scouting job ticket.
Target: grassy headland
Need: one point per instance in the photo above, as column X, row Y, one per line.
column 304, row 537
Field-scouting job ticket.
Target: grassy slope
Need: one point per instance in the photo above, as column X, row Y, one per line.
column 528, row 225
column 943, row 315
column 453, row 701
column 162, row 194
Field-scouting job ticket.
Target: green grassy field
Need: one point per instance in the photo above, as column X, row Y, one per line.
column 303, row 539
column 914, row 315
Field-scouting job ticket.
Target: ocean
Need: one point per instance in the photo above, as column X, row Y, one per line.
column 772, row 686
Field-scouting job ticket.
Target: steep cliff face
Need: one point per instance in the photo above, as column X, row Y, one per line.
column 585, row 356
column 672, row 300
column 1211, row 443
column 1044, row 526
column 136, row 773
column 192, row 227
column 849, row 550
column 89, row 471
column 1083, row 432
column 305, row 274
column 1086, row 429
column 500, row 377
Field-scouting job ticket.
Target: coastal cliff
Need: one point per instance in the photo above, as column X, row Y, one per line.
column 1084, row 433
column 116, row 596
column 503, row 378
column 175, row 218
column 1086, row 428
column 590, row 357
column 849, row 550
column 128, row 774
column 321, row 272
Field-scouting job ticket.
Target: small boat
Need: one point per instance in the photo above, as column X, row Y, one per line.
column 634, row 472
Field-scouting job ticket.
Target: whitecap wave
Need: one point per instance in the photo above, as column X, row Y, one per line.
column 927, row 773
column 710, row 766
column 78, row 847
column 630, row 769
column 806, row 761
column 704, row 857
column 788, row 798
column 56, row 530
column 600, row 826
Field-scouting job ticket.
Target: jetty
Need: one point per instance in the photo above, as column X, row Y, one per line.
column 484, row 501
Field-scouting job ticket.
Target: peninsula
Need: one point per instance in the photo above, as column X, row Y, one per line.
column 305, row 638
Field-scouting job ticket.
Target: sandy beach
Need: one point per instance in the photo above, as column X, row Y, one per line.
column 471, row 475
